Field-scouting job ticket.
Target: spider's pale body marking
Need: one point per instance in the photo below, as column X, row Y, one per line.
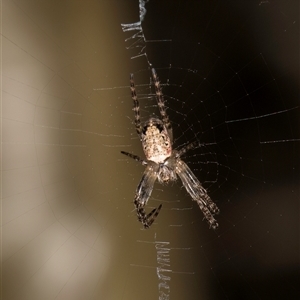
column 163, row 163
column 156, row 141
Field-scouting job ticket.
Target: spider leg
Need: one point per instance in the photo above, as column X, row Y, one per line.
column 187, row 148
column 198, row 193
column 135, row 157
column 142, row 195
column 208, row 216
column 161, row 104
column 147, row 220
column 136, row 107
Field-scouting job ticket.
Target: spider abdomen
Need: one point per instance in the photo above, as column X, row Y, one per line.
column 156, row 141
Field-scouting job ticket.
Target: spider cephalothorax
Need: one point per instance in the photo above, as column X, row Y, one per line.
column 163, row 163
column 167, row 171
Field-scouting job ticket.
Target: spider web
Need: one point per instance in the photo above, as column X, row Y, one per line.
column 230, row 77
column 229, row 73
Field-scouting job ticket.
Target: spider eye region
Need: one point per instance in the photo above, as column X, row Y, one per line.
column 156, row 141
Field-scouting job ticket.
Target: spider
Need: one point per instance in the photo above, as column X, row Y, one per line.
column 162, row 162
